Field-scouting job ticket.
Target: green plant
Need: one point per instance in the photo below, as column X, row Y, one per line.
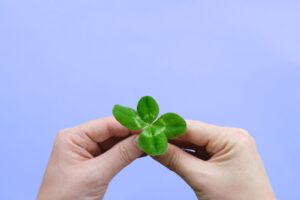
column 153, row 139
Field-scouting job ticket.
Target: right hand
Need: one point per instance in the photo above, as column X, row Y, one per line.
column 233, row 171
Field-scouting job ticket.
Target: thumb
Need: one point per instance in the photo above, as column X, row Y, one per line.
column 119, row 156
column 179, row 161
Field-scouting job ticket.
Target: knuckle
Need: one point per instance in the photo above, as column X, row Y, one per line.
column 172, row 163
column 63, row 132
column 194, row 122
column 124, row 154
column 63, row 135
column 241, row 131
column 243, row 137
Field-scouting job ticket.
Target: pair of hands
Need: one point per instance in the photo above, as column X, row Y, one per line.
column 224, row 163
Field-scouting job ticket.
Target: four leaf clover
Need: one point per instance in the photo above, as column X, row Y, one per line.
column 153, row 139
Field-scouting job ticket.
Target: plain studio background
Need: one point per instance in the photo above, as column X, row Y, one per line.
column 63, row 62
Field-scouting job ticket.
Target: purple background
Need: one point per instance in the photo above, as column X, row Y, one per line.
column 63, row 62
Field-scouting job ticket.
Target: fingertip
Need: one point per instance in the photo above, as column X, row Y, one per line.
column 119, row 156
column 135, row 141
column 137, row 132
column 172, row 158
column 132, row 144
column 179, row 161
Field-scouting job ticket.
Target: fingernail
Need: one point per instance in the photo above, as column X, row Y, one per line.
column 135, row 139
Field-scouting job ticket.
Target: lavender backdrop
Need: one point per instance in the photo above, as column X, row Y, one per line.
column 65, row 62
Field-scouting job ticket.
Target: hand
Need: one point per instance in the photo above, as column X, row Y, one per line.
column 85, row 158
column 230, row 168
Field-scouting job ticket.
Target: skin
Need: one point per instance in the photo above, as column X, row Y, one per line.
column 225, row 166
column 224, row 163
column 85, row 158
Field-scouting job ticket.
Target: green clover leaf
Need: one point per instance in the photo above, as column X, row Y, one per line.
column 148, row 109
column 171, row 124
column 128, row 117
column 153, row 139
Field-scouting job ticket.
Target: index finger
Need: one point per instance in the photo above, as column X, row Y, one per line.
column 102, row 129
column 200, row 133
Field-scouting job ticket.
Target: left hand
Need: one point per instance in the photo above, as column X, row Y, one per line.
column 85, row 158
